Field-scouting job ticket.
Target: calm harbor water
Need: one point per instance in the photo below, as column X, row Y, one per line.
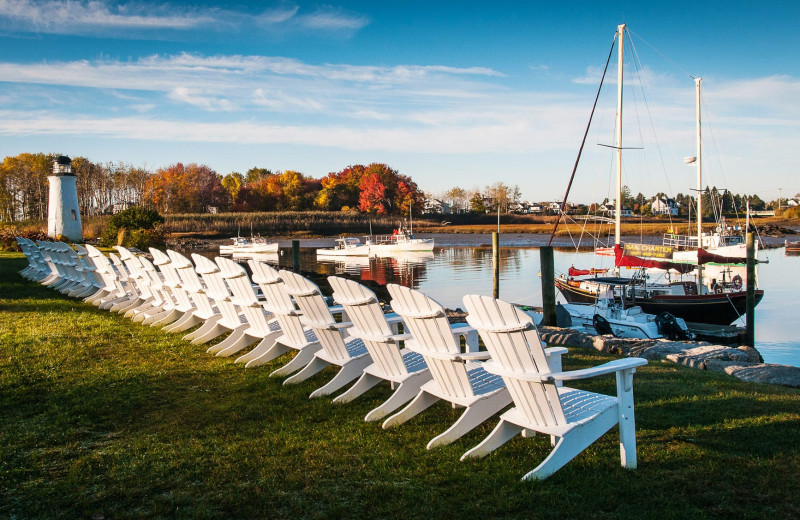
column 453, row 271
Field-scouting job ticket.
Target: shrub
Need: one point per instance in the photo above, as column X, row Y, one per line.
column 135, row 227
column 10, row 232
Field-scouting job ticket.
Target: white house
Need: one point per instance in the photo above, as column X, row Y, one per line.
column 664, row 206
column 611, row 210
column 437, row 206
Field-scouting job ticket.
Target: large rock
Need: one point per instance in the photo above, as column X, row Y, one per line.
column 697, row 357
column 758, row 372
column 744, row 363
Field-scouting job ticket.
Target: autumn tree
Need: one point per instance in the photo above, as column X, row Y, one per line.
column 373, row 194
column 232, row 184
column 184, row 189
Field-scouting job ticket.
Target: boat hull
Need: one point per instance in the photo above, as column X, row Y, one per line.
column 717, row 309
column 249, row 249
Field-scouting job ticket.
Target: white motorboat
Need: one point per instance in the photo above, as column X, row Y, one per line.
column 400, row 241
column 244, row 245
column 347, row 246
column 609, row 315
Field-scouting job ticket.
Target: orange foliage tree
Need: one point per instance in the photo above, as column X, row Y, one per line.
column 184, row 189
column 376, row 188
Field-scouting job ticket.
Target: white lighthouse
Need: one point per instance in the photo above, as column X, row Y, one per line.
column 63, row 215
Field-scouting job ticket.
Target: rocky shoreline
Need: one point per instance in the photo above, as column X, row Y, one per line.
column 743, row 362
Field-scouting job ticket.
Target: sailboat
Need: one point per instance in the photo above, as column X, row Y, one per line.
column 695, row 302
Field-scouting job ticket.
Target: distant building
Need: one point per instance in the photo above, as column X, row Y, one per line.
column 611, row 210
column 664, row 206
column 437, row 206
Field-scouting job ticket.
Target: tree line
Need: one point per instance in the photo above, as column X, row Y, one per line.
column 193, row 188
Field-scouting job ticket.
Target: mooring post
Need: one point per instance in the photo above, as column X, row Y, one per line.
column 296, row 256
column 548, row 285
column 750, row 313
column 495, row 264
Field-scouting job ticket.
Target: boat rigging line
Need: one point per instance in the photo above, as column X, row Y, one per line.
column 583, row 142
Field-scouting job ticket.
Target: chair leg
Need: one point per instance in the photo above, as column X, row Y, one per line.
column 263, row 346
column 566, row 449
column 186, row 322
column 348, row 373
column 171, row 317
column 472, row 417
column 303, row 358
column 153, row 319
column 502, row 433
column 314, row 367
column 364, row 383
column 126, row 305
column 421, row 402
column 211, row 326
column 234, row 339
column 275, row 350
column 404, row 393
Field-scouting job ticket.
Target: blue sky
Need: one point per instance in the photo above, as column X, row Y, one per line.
column 451, row 93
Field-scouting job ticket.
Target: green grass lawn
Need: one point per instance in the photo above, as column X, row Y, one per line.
column 104, row 418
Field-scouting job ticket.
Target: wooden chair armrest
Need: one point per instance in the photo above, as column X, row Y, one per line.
column 458, row 357
column 393, row 338
column 325, row 326
column 618, row 365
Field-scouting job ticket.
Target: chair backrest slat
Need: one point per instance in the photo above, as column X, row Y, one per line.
column 279, row 302
column 369, row 324
column 316, row 314
column 512, row 340
column 427, row 322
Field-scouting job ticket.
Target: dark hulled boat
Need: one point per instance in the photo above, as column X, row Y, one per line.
column 678, row 298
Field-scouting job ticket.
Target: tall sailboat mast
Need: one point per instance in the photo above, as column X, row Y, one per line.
column 699, row 218
column 618, row 212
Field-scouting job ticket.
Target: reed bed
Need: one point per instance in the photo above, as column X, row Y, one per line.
column 282, row 223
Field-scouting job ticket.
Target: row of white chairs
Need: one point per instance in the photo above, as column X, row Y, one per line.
column 430, row 360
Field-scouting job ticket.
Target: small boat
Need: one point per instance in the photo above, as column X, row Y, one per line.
column 400, row 241
column 347, row 246
column 792, row 248
column 610, row 315
column 244, row 245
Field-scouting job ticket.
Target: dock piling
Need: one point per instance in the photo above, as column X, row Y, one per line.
column 548, row 285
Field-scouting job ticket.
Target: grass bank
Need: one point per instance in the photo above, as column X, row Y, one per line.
column 104, row 418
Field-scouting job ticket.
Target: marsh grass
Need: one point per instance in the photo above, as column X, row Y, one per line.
column 101, row 417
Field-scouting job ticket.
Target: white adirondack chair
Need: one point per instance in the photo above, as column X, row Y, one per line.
column 173, row 285
column 338, row 347
column 111, row 289
column 230, row 320
column 202, row 309
column 37, row 269
column 260, row 327
column 404, row 369
column 457, row 377
column 161, row 303
column 48, row 256
column 136, row 294
column 148, row 296
column 576, row 418
column 294, row 335
column 91, row 283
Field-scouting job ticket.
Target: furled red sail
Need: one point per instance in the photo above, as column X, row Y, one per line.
column 704, row 257
column 623, row 260
column 583, row 272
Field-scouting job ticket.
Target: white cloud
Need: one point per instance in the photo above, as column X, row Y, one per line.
column 70, row 16
column 130, row 19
